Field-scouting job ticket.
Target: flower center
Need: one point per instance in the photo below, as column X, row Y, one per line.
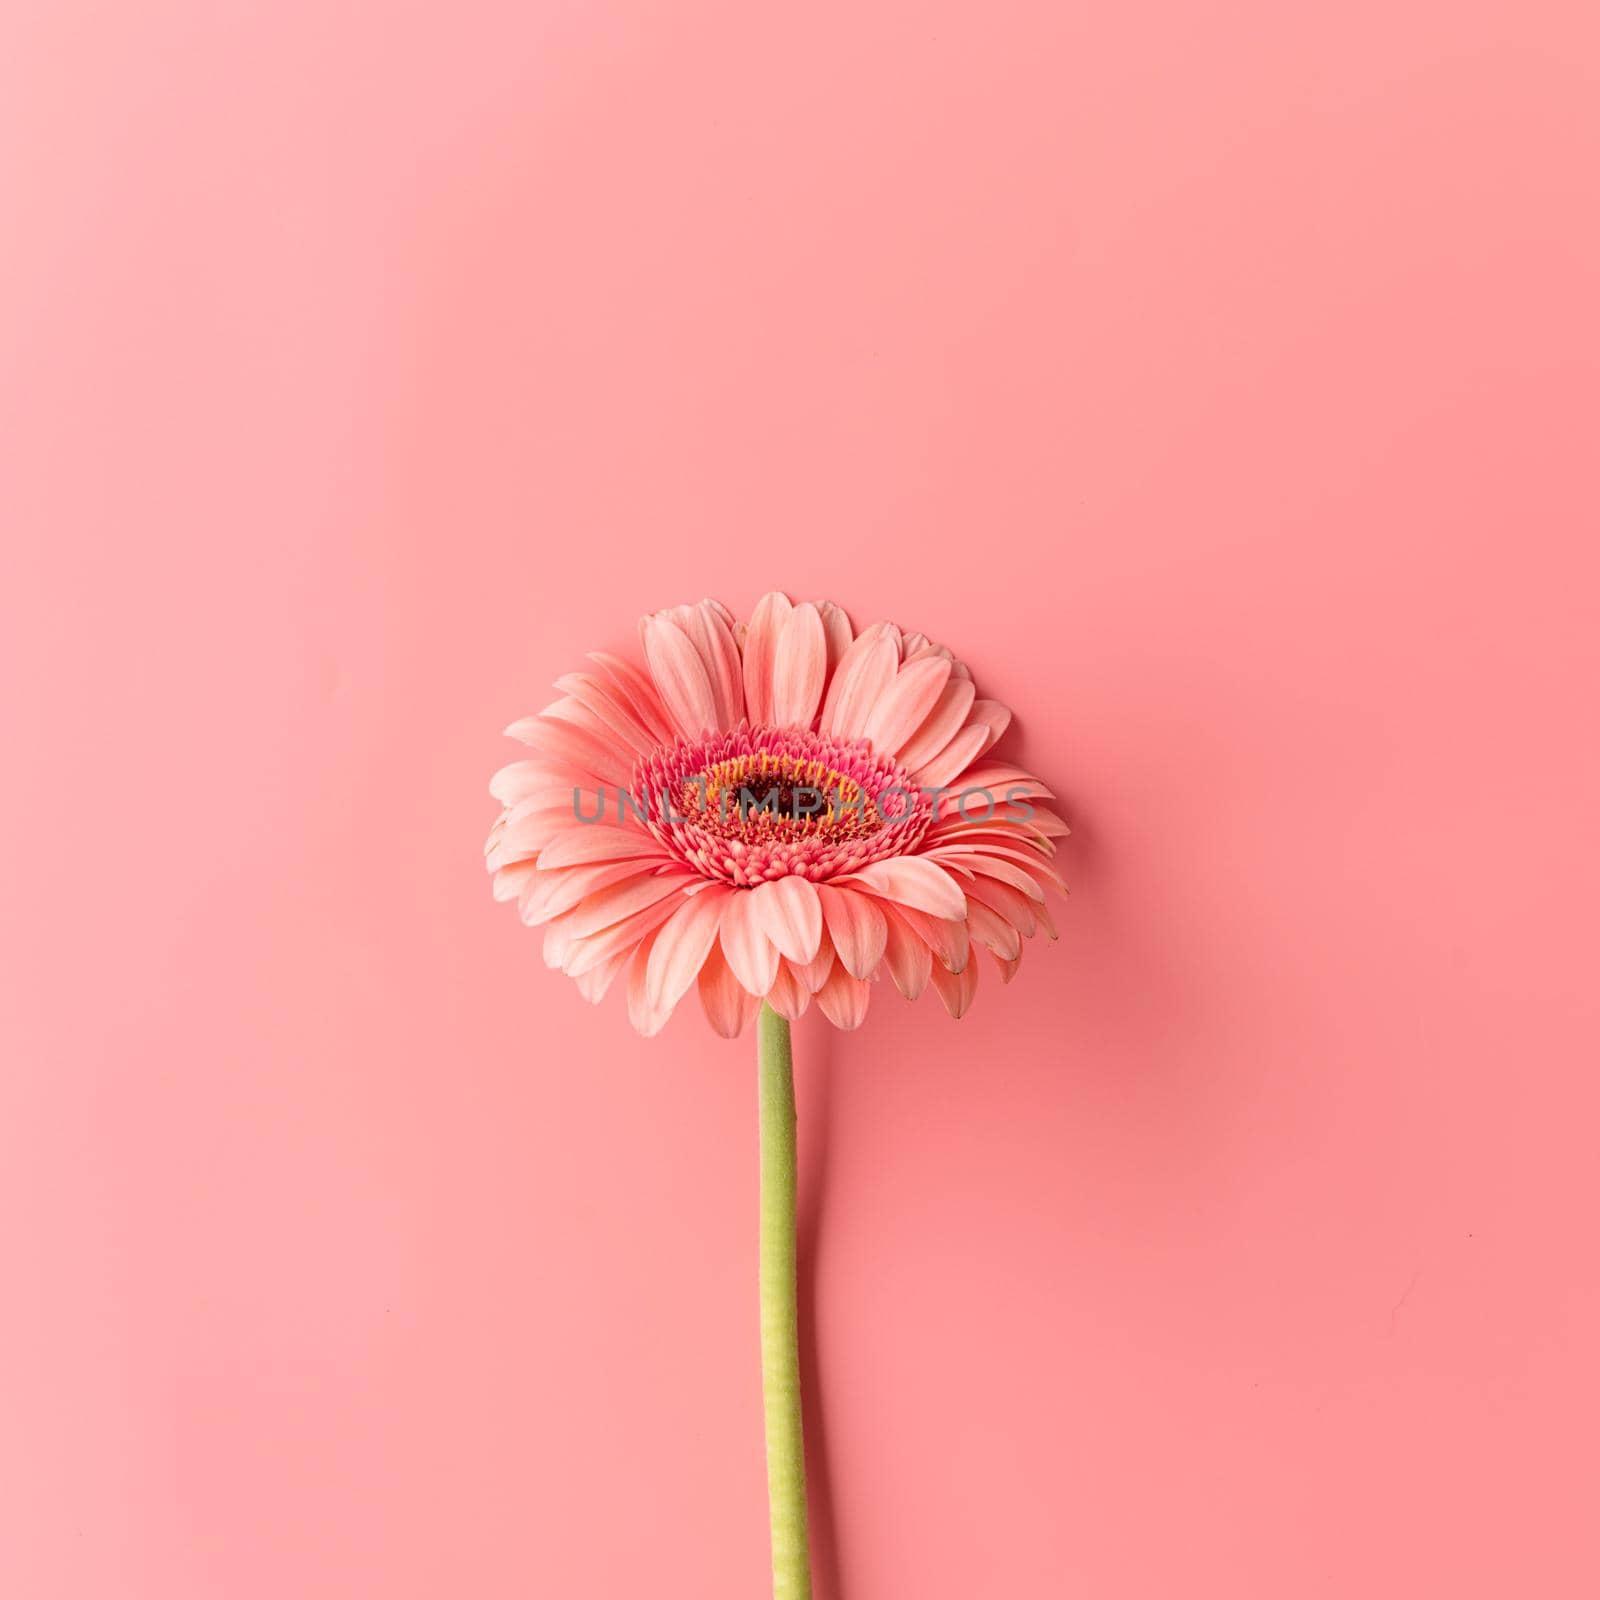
column 759, row 803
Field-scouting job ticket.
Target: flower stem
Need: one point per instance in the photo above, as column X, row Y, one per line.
column 780, row 1341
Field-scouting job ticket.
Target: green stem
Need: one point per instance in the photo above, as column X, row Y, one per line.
column 780, row 1337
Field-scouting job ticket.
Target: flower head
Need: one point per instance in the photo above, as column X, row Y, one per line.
column 774, row 810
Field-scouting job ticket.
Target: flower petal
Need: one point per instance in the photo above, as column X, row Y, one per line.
column 911, row 881
column 595, row 981
column 947, row 938
column 554, row 891
column 1002, row 778
column 751, row 954
column 814, row 973
column 600, row 757
column 798, row 668
column 516, row 782
column 843, row 998
column 788, row 996
column 728, row 1005
column 1007, row 902
column 681, row 947
column 940, row 726
column 582, row 842
column 681, row 677
column 865, row 670
column 837, row 627
column 994, row 716
column 611, row 707
column 956, row 989
column 995, row 861
column 954, row 759
column 708, row 630
column 621, row 900
column 992, row 931
column 856, row 926
column 906, row 955
column 791, row 914
column 509, row 882
column 760, row 646
column 575, row 956
column 907, row 701
column 645, row 1012
column 1008, row 969
column 633, row 685
column 1013, row 885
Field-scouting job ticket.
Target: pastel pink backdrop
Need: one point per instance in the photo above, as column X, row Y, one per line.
column 1221, row 381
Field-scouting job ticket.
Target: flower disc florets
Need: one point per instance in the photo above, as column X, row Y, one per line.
column 762, row 803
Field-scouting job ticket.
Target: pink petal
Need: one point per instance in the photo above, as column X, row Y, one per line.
column 1013, row 821
column 681, row 677
column 531, row 824
column 712, row 638
column 611, row 707
column 856, row 926
column 584, row 842
column 1007, row 902
column 621, row 900
column 912, row 881
column 1000, row 777
column 548, row 775
column 728, row 1005
column 953, row 760
column 647, row 1014
column 956, row 989
column 844, row 998
column 991, row 930
column 515, row 782
column 940, row 726
column 907, row 701
column 788, row 996
column 1048, row 823
column 589, row 753
column 814, row 973
column 791, row 914
column 1002, row 836
column 635, row 687
column 553, row 892
column 996, row 862
column 750, row 952
column 837, row 627
column 575, row 956
column 571, row 710
column 864, row 672
column 945, row 937
column 509, row 882
column 593, row 983
column 798, row 668
column 760, row 647
column 906, row 955
column 682, row 945
column 994, row 716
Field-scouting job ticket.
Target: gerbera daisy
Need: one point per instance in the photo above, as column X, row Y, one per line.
column 773, row 811
column 777, row 811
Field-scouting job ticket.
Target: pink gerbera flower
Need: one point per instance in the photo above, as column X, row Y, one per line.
column 773, row 811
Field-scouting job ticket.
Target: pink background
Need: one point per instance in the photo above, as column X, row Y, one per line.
column 1220, row 380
